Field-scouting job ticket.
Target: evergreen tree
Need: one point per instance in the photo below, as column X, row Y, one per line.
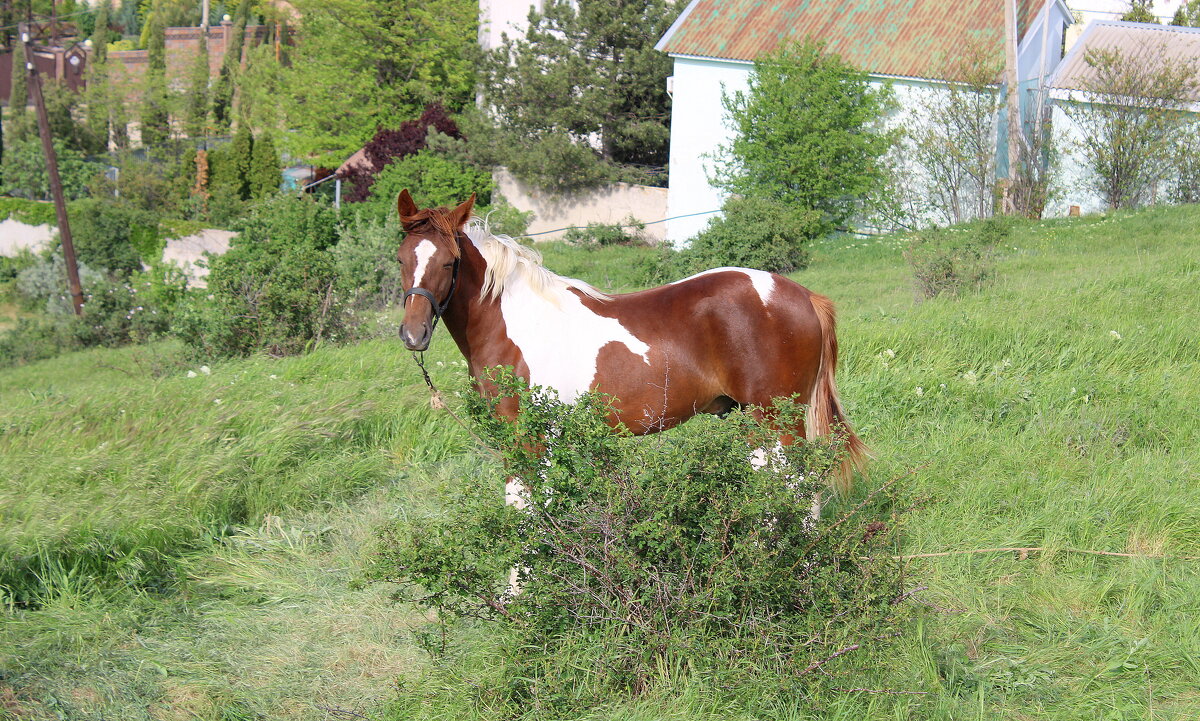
column 98, row 92
column 265, row 176
column 223, row 89
column 156, row 122
column 240, row 160
column 1140, row 11
column 19, row 123
column 100, row 33
column 585, row 86
column 196, row 113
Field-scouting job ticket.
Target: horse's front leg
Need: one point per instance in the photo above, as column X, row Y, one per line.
column 774, row 457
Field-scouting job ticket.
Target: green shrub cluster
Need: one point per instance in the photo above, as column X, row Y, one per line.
column 114, row 236
column 433, row 178
column 275, row 290
column 595, row 235
column 636, row 556
column 366, row 263
column 30, row 212
column 755, row 232
column 116, row 310
column 950, row 261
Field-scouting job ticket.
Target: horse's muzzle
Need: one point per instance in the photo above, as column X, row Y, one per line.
column 416, row 342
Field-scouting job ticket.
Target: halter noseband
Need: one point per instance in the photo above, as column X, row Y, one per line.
column 438, row 308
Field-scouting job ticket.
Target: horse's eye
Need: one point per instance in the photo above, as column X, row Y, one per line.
column 447, row 266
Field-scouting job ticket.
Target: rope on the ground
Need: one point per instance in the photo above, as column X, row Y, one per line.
column 1024, row 552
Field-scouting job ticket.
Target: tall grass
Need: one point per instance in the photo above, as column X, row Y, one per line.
column 107, row 475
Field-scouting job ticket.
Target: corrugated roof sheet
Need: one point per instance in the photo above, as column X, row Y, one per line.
column 1151, row 42
column 910, row 38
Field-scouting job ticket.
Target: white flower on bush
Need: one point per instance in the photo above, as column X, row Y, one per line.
column 206, row 370
column 970, row 378
column 1115, row 335
column 191, row 374
column 920, row 391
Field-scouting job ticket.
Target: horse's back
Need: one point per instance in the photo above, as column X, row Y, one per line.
column 727, row 335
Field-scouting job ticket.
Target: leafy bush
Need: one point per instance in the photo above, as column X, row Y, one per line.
column 25, row 170
column 755, row 232
column 276, row 288
column 158, row 180
column 30, row 212
column 635, row 556
column 952, row 260
column 631, row 232
column 34, row 339
column 808, row 134
column 433, row 180
column 115, row 312
column 366, row 262
column 390, row 145
column 42, row 285
column 11, row 266
column 113, row 236
column 118, row 312
column 503, row 218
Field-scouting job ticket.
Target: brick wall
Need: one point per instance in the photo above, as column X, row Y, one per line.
column 129, row 66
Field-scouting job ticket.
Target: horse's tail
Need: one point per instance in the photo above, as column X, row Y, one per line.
column 825, row 415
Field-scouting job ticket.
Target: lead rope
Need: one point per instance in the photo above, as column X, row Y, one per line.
column 437, row 403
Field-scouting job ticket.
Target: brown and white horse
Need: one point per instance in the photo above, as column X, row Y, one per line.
column 722, row 338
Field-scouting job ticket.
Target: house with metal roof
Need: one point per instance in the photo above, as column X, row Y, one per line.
column 1075, row 81
column 909, row 43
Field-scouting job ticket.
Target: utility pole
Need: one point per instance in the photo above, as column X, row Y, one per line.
column 1012, row 79
column 60, row 205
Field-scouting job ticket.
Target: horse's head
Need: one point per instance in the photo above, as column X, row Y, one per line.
column 429, row 255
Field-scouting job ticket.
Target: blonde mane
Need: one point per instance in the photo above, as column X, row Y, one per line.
column 510, row 263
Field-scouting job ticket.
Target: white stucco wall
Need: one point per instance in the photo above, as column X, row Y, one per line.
column 16, row 236
column 614, row 203
column 497, row 17
column 698, row 129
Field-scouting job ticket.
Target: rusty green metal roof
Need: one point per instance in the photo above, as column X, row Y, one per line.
column 909, row 38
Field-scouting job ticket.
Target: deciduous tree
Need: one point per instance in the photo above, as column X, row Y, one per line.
column 363, row 65
column 955, row 145
column 807, row 134
column 1131, row 113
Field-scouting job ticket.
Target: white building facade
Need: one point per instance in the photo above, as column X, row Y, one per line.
column 904, row 43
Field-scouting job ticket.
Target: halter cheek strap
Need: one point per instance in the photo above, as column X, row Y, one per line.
column 438, row 308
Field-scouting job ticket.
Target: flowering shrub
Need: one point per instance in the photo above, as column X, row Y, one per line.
column 636, row 555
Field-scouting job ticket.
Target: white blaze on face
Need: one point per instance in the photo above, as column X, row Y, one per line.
column 763, row 282
column 561, row 343
column 425, row 250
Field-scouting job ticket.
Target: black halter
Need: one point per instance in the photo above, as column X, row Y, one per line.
column 438, row 308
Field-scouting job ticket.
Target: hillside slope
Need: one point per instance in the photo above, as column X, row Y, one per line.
column 184, row 546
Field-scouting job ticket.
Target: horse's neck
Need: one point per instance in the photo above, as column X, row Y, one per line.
column 474, row 322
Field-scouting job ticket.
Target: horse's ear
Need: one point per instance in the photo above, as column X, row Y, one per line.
column 405, row 205
column 462, row 213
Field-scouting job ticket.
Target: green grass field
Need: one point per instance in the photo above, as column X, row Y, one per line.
column 184, row 547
